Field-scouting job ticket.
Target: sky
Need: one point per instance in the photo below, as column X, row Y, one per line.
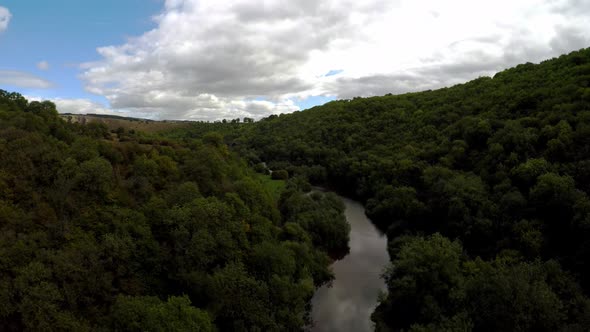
column 214, row 59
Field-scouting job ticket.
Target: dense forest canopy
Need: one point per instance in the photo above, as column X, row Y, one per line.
column 114, row 231
column 482, row 189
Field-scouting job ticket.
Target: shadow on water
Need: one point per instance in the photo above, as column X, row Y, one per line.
column 347, row 303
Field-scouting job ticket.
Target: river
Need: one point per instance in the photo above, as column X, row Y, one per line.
column 347, row 304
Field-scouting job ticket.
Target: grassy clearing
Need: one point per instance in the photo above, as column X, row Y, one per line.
column 275, row 187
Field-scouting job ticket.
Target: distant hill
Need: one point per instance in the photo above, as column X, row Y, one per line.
column 114, row 122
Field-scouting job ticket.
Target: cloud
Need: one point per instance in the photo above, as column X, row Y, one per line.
column 77, row 105
column 570, row 38
column 200, row 107
column 210, row 59
column 4, row 18
column 43, row 65
column 81, row 106
column 572, row 7
column 23, row 80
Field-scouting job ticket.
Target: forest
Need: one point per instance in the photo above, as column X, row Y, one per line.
column 482, row 189
column 112, row 231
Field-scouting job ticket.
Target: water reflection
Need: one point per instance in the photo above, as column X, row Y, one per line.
column 347, row 304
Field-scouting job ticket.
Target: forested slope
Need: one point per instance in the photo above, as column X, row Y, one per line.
column 499, row 166
column 482, row 189
column 134, row 234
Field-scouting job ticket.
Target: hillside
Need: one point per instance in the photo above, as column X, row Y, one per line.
column 140, row 234
column 482, row 188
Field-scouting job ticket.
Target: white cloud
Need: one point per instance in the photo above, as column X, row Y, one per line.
column 43, row 65
column 4, row 18
column 23, row 80
column 77, row 105
column 80, row 106
column 210, row 59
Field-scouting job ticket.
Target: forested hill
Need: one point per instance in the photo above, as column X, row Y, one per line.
column 482, row 189
column 128, row 233
column 499, row 166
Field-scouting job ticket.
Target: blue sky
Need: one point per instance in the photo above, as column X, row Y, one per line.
column 66, row 33
column 214, row 59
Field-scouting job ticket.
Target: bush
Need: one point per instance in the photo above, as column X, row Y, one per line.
column 280, row 175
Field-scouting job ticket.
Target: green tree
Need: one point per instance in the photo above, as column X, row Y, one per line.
column 148, row 313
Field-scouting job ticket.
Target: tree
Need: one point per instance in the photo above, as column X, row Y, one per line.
column 280, row 175
column 424, row 283
column 95, row 176
column 148, row 313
